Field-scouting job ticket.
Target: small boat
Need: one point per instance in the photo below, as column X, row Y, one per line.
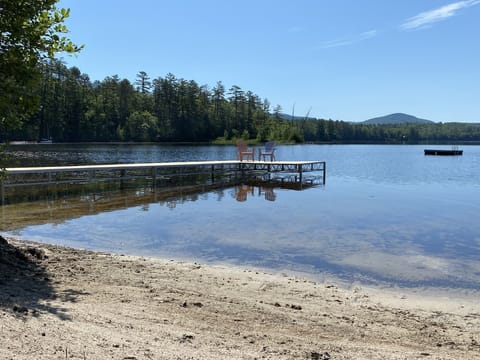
column 46, row 141
column 455, row 151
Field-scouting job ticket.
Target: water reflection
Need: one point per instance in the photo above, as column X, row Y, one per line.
column 243, row 191
column 56, row 204
column 388, row 215
column 363, row 238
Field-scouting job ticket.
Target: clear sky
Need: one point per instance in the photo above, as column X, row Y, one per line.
column 346, row 60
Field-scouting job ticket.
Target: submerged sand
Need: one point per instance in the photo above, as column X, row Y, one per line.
column 63, row 303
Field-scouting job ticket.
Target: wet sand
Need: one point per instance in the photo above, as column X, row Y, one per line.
column 63, row 303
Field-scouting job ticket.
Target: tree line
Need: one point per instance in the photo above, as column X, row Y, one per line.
column 406, row 133
column 72, row 108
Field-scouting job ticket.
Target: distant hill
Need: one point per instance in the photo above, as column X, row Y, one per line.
column 397, row 118
column 289, row 117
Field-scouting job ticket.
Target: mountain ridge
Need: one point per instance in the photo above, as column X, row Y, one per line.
column 396, row 118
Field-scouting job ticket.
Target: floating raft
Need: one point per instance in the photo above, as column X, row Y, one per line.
column 453, row 152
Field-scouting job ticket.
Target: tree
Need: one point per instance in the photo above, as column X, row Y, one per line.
column 237, row 99
column 126, row 100
column 109, row 96
column 277, row 110
column 141, row 126
column 30, row 31
column 218, row 109
column 143, row 82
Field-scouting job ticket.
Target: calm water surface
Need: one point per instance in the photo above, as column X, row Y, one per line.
column 387, row 214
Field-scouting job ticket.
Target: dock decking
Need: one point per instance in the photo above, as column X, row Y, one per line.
column 168, row 172
column 273, row 166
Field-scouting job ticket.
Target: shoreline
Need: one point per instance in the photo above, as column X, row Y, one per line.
column 58, row 302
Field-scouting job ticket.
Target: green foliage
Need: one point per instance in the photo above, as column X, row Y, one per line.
column 172, row 109
column 4, row 158
column 75, row 109
column 141, row 126
column 30, row 32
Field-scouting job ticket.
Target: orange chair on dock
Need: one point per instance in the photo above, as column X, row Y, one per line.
column 244, row 151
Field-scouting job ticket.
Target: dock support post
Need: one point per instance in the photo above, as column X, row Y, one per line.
column 324, row 172
column 3, row 202
column 154, row 178
column 3, row 193
column 122, row 180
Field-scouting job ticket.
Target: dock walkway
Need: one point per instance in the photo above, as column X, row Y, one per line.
column 287, row 170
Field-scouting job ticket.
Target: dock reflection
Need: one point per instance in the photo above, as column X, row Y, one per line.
column 59, row 203
column 242, row 192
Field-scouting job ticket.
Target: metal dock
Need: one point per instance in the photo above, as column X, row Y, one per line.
column 165, row 174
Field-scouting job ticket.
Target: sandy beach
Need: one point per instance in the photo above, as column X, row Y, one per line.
column 63, row 303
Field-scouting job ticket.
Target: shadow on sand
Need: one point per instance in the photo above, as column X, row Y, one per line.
column 25, row 286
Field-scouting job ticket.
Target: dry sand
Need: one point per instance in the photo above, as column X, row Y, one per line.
column 62, row 303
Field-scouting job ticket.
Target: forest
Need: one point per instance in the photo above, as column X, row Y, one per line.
column 72, row 108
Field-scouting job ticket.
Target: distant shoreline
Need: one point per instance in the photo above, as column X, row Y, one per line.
column 253, row 142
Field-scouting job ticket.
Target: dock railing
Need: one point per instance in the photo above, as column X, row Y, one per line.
column 168, row 174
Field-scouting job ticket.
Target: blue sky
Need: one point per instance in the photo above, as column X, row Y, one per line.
column 341, row 59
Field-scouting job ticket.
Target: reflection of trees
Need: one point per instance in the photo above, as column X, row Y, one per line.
column 57, row 203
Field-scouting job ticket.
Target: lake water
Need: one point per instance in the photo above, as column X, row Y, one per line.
column 386, row 215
